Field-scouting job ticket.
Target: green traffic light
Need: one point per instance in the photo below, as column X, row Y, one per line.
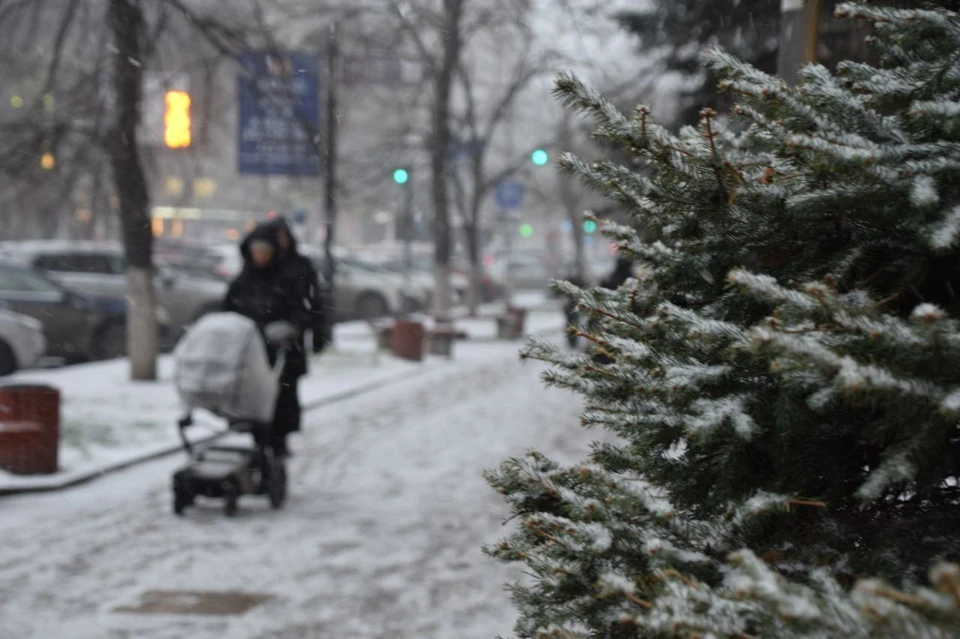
column 589, row 226
column 400, row 176
column 539, row 157
column 526, row 230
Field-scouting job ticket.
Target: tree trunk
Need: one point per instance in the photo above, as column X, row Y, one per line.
column 452, row 11
column 474, row 292
column 127, row 24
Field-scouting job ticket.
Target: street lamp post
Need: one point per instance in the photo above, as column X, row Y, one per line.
column 330, row 168
column 799, row 36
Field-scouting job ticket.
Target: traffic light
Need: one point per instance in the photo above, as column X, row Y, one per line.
column 526, row 230
column 401, row 176
column 589, row 226
column 176, row 120
column 539, row 157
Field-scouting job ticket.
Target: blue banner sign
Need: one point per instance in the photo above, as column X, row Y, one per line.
column 279, row 114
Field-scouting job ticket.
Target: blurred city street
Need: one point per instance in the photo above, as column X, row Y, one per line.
column 381, row 536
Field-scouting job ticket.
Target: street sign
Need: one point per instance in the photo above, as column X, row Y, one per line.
column 463, row 150
column 390, row 71
column 509, row 195
column 279, row 115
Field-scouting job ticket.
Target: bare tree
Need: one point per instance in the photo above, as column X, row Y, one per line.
column 94, row 67
column 127, row 25
column 481, row 127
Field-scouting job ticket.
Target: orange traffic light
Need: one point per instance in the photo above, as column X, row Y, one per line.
column 176, row 120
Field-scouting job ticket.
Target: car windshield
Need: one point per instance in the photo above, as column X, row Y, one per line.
column 360, row 265
column 26, row 281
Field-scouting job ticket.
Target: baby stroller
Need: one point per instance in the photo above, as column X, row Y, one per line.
column 221, row 365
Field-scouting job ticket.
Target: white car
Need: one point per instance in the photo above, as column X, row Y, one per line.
column 365, row 290
column 230, row 262
column 421, row 272
column 21, row 341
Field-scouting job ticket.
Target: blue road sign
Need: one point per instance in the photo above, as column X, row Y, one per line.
column 279, row 115
column 509, row 195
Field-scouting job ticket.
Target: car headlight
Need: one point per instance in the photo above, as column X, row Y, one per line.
column 30, row 323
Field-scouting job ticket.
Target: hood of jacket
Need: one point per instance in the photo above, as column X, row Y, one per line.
column 262, row 233
column 281, row 224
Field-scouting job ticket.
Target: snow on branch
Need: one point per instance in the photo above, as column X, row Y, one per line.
column 715, row 412
column 896, row 470
column 944, row 235
column 766, row 287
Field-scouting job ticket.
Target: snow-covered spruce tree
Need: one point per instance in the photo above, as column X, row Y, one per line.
column 784, row 380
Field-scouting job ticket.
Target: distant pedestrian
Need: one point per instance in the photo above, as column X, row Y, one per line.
column 622, row 271
column 302, row 276
column 572, row 314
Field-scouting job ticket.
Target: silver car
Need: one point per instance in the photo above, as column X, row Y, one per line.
column 100, row 269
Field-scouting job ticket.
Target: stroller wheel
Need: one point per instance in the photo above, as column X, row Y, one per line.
column 278, row 484
column 180, row 503
column 231, row 495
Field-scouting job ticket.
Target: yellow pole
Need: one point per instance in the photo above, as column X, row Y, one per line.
column 812, row 35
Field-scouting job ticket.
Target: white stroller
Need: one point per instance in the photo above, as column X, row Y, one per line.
column 221, row 365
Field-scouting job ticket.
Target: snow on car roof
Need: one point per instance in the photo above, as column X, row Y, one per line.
column 38, row 247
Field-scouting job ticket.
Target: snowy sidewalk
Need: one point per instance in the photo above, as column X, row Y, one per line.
column 381, row 537
column 109, row 423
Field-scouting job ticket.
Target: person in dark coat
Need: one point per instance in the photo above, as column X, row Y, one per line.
column 302, row 276
column 571, row 313
column 622, row 271
column 262, row 293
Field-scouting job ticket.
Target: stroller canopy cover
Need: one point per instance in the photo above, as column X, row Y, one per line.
column 221, row 365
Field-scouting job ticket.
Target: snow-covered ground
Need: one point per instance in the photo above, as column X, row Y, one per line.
column 106, row 419
column 109, row 421
column 381, row 537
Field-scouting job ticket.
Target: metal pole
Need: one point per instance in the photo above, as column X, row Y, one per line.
column 812, row 21
column 799, row 36
column 508, row 241
column 330, row 173
column 408, row 231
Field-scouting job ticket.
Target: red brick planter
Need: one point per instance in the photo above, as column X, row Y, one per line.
column 407, row 340
column 29, row 429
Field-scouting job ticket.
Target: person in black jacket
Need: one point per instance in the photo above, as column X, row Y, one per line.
column 302, row 276
column 262, row 293
column 571, row 313
column 622, row 271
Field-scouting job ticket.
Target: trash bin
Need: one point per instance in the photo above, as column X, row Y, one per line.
column 510, row 325
column 384, row 331
column 407, row 342
column 29, row 429
column 442, row 338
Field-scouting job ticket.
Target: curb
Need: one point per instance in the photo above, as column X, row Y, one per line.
column 91, row 475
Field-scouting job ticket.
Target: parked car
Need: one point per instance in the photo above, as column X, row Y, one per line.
column 100, row 269
column 76, row 327
column 21, row 341
column 528, row 270
column 422, row 270
column 190, row 259
column 365, row 290
column 228, row 262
